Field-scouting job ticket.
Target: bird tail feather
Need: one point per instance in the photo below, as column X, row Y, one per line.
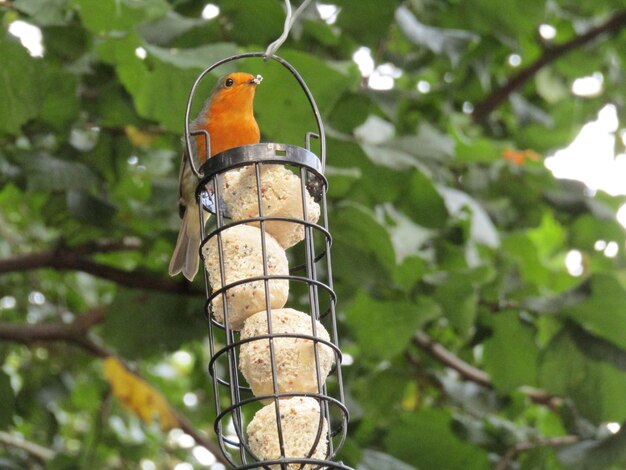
column 187, row 252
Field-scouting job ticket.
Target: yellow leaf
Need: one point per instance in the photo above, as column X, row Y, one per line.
column 138, row 395
column 138, row 137
column 411, row 398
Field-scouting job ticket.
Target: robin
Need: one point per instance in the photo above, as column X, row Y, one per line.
column 228, row 117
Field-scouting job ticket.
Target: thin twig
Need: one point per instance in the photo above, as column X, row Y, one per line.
column 447, row 358
column 549, row 55
column 474, row 374
column 43, row 454
column 514, row 451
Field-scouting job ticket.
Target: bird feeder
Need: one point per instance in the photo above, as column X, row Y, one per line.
column 270, row 303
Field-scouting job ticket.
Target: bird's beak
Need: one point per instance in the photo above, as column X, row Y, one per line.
column 256, row 80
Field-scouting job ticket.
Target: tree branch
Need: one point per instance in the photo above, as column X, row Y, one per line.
column 74, row 333
column 64, row 258
column 549, row 55
column 474, row 374
column 513, row 452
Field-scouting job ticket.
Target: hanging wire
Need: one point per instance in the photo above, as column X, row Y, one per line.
column 289, row 21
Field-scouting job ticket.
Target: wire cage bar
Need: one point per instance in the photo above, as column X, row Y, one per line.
column 270, row 308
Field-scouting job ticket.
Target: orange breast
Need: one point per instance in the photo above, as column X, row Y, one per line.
column 228, row 133
column 230, row 122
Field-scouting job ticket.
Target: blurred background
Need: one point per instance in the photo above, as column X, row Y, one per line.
column 476, row 165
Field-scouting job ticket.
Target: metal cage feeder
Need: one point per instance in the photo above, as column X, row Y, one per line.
column 314, row 415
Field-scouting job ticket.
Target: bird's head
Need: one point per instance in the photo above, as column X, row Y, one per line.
column 236, row 90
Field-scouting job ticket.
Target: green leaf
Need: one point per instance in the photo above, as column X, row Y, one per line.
column 20, row 97
column 526, row 112
column 148, row 88
column 341, row 180
column 604, row 312
column 567, row 116
column 510, row 354
column 425, row 438
column 457, row 293
column 169, row 74
column 440, row 41
column 375, row 460
column 587, row 230
column 598, row 348
column 384, row 329
column 71, row 43
column 540, row 457
column 165, row 73
column 550, row 86
column 548, row 237
column 428, row 144
column 482, row 229
column 116, row 110
column 90, row 209
column 258, row 23
column 458, row 297
column 196, row 58
column 60, row 106
column 477, row 150
column 27, row 88
column 367, row 20
column 118, row 15
column 357, row 227
column 321, row 32
column 426, row 205
column 61, row 461
column 595, row 387
column 396, row 159
column 557, row 303
column 87, row 394
column 474, row 399
column 120, row 50
column 380, row 393
column 47, row 173
column 408, row 238
column 142, row 323
column 164, row 30
column 484, row 16
column 350, row 112
column 607, row 453
column 521, row 250
column 409, row 272
column 48, row 13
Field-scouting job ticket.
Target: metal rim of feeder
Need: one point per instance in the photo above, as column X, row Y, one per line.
column 331, row 410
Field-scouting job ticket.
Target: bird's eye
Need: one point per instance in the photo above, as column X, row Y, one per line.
column 229, row 82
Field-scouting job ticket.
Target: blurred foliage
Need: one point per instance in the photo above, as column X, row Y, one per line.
column 440, row 225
